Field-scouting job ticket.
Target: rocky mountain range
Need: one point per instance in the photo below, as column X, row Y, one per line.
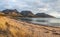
column 42, row 15
column 11, row 12
column 27, row 13
column 14, row 12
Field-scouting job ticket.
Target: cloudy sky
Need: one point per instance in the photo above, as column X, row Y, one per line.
column 51, row 7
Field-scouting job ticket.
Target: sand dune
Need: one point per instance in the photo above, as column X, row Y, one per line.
column 13, row 28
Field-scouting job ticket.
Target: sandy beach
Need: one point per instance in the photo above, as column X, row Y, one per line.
column 13, row 28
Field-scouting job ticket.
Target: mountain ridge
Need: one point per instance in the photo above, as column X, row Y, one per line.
column 24, row 13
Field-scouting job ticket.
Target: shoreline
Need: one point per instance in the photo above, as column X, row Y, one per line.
column 33, row 23
column 36, row 23
column 16, row 28
column 39, row 24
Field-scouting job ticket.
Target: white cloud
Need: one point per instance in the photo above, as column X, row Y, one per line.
column 42, row 9
column 54, row 13
column 48, row 6
column 14, row 0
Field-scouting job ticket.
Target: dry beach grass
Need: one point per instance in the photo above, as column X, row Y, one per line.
column 13, row 28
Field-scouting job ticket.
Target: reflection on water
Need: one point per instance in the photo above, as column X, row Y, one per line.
column 45, row 21
column 26, row 19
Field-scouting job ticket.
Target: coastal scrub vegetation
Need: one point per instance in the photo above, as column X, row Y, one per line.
column 13, row 28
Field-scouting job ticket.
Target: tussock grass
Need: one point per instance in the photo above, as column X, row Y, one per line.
column 13, row 28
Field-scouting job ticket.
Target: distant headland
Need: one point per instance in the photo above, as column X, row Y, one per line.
column 14, row 12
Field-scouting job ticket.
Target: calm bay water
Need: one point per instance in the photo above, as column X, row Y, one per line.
column 44, row 21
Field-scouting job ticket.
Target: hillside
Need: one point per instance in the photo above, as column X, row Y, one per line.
column 27, row 14
column 14, row 12
column 12, row 28
column 11, row 12
column 44, row 15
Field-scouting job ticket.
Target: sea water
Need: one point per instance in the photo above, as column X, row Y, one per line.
column 44, row 21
